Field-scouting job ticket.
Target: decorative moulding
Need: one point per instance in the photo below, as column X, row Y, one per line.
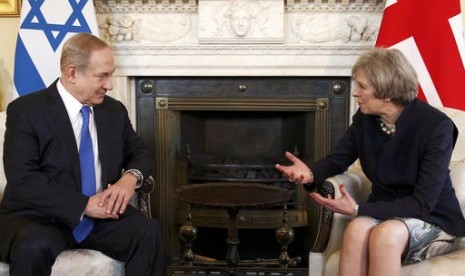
column 326, row 28
column 158, row 28
column 191, row 6
column 181, row 38
column 241, row 21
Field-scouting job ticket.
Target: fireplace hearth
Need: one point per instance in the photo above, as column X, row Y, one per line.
column 234, row 129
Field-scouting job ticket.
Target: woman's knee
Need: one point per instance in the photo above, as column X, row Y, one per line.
column 389, row 234
column 359, row 228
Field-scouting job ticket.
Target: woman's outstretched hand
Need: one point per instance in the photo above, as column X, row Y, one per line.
column 298, row 172
column 344, row 205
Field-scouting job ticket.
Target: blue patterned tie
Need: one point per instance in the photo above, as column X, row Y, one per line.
column 86, row 156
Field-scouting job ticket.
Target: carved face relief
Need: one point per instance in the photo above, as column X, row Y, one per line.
column 240, row 20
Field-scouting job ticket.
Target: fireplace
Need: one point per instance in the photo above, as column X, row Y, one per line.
column 226, row 129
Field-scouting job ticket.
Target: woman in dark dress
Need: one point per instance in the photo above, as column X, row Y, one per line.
column 404, row 146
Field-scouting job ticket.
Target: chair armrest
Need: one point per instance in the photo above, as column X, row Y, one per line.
column 330, row 225
column 141, row 198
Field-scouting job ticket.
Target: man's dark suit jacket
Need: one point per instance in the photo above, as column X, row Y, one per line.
column 42, row 161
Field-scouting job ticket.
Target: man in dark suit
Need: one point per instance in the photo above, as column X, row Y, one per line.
column 43, row 202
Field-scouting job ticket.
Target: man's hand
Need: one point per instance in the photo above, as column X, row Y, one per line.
column 298, row 172
column 116, row 197
column 94, row 210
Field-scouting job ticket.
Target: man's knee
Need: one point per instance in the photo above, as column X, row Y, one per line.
column 38, row 243
column 31, row 257
column 152, row 230
column 36, row 250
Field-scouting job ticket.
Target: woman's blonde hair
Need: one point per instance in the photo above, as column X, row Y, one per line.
column 390, row 73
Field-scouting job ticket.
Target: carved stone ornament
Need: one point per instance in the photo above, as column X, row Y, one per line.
column 323, row 28
column 241, row 21
column 235, row 37
column 158, row 27
column 165, row 28
column 119, row 29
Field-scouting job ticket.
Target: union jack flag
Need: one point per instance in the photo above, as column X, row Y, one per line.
column 430, row 34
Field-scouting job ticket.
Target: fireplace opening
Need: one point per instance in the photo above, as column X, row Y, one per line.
column 234, row 129
column 243, row 146
column 251, row 137
column 231, row 146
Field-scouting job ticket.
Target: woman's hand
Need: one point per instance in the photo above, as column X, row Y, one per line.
column 344, row 205
column 298, row 172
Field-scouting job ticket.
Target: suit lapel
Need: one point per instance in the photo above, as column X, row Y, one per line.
column 59, row 115
column 101, row 122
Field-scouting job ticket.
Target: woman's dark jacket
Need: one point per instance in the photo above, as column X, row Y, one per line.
column 409, row 170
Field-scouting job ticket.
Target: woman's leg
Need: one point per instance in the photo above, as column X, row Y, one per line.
column 387, row 243
column 354, row 251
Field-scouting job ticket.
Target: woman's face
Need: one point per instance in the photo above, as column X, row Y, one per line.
column 364, row 93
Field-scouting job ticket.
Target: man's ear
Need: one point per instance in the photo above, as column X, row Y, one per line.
column 70, row 72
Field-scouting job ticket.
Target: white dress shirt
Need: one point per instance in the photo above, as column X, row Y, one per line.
column 73, row 107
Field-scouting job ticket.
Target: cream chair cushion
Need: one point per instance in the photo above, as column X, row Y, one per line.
column 79, row 262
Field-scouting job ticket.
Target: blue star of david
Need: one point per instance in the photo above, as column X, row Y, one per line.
column 55, row 33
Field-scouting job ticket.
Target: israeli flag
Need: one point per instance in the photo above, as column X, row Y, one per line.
column 44, row 26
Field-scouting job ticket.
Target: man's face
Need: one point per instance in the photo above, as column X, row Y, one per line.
column 93, row 83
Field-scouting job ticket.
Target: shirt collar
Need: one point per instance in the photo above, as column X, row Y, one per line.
column 72, row 105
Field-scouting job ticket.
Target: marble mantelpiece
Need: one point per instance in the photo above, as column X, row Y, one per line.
column 197, row 38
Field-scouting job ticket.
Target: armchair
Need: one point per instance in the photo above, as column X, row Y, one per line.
column 324, row 256
column 77, row 262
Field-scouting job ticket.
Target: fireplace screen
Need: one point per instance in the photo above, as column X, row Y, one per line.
column 226, row 129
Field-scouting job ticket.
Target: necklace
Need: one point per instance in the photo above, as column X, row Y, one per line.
column 389, row 129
